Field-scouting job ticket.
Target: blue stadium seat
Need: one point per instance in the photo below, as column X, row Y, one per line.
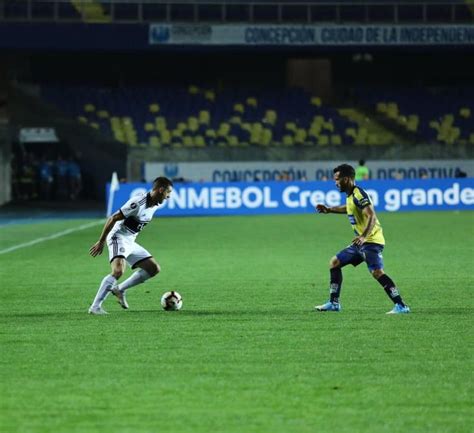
column 237, row 13
column 42, row 10
column 323, row 13
column 153, row 11
column 210, row 13
column 294, row 13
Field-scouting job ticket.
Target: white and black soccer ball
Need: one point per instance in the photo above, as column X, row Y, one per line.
column 171, row 301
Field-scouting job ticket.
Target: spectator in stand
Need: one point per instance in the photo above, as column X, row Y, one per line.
column 458, row 173
column 74, row 178
column 27, row 177
column 15, row 177
column 284, row 176
column 45, row 174
column 362, row 172
column 399, row 175
column 424, row 174
column 62, row 186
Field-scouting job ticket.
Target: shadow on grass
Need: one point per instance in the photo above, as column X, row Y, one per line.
column 282, row 313
column 218, row 312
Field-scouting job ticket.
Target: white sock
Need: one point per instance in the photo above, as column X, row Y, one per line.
column 137, row 277
column 104, row 290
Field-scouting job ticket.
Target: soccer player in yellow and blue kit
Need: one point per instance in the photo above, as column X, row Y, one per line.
column 367, row 246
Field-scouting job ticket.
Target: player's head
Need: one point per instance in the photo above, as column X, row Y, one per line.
column 344, row 176
column 161, row 190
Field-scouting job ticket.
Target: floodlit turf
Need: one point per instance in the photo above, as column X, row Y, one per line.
column 247, row 353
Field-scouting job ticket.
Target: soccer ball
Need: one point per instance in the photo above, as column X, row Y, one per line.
column 171, row 301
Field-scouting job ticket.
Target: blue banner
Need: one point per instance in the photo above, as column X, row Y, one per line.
column 259, row 198
column 310, row 34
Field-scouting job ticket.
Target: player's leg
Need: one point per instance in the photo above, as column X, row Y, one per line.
column 335, row 284
column 335, row 281
column 147, row 268
column 108, row 282
column 374, row 260
column 349, row 255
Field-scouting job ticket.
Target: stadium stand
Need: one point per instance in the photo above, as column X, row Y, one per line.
column 433, row 115
column 262, row 11
column 194, row 116
column 15, row 10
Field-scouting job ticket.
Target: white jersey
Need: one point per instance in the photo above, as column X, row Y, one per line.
column 137, row 215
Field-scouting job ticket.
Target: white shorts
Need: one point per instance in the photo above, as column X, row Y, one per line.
column 121, row 246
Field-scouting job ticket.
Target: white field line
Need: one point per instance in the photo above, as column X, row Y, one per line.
column 53, row 236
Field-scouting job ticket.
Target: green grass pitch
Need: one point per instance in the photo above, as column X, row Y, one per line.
column 246, row 353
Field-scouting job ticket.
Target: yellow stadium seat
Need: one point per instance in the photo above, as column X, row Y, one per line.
column 318, row 120
column 381, row 107
column 373, row 139
column 392, row 110
column 210, row 95
column 199, row 141
column 223, row 130
column 176, row 133
column 204, row 117
column 94, row 125
column 402, row 120
column 314, row 130
column 323, row 140
column 239, row 108
column 89, row 108
column 329, row 126
column 235, row 119
column 448, row 119
column 193, row 90
column 270, row 117
column 287, row 140
column 102, row 114
column 465, row 112
column 211, row 133
column 291, row 126
column 251, row 101
column 160, row 123
column 246, row 126
column 165, row 136
column 300, row 136
column 193, row 123
column 154, row 141
column 266, row 137
column 149, row 127
column 154, row 108
column 232, row 140
column 336, row 139
column 412, row 123
column 82, row 119
column 188, row 141
column 351, row 132
column 316, row 100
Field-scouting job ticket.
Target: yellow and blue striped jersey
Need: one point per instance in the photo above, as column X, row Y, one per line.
column 355, row 203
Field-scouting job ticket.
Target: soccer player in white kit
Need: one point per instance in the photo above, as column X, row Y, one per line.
column 120, row 231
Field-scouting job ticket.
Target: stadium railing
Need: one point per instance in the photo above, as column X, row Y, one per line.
column 229, row 11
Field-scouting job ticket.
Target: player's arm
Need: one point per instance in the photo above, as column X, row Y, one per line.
column 97, row 248
column 369, row 211
column 320, row 208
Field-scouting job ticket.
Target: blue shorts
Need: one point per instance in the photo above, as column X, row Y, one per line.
column 369, row 253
